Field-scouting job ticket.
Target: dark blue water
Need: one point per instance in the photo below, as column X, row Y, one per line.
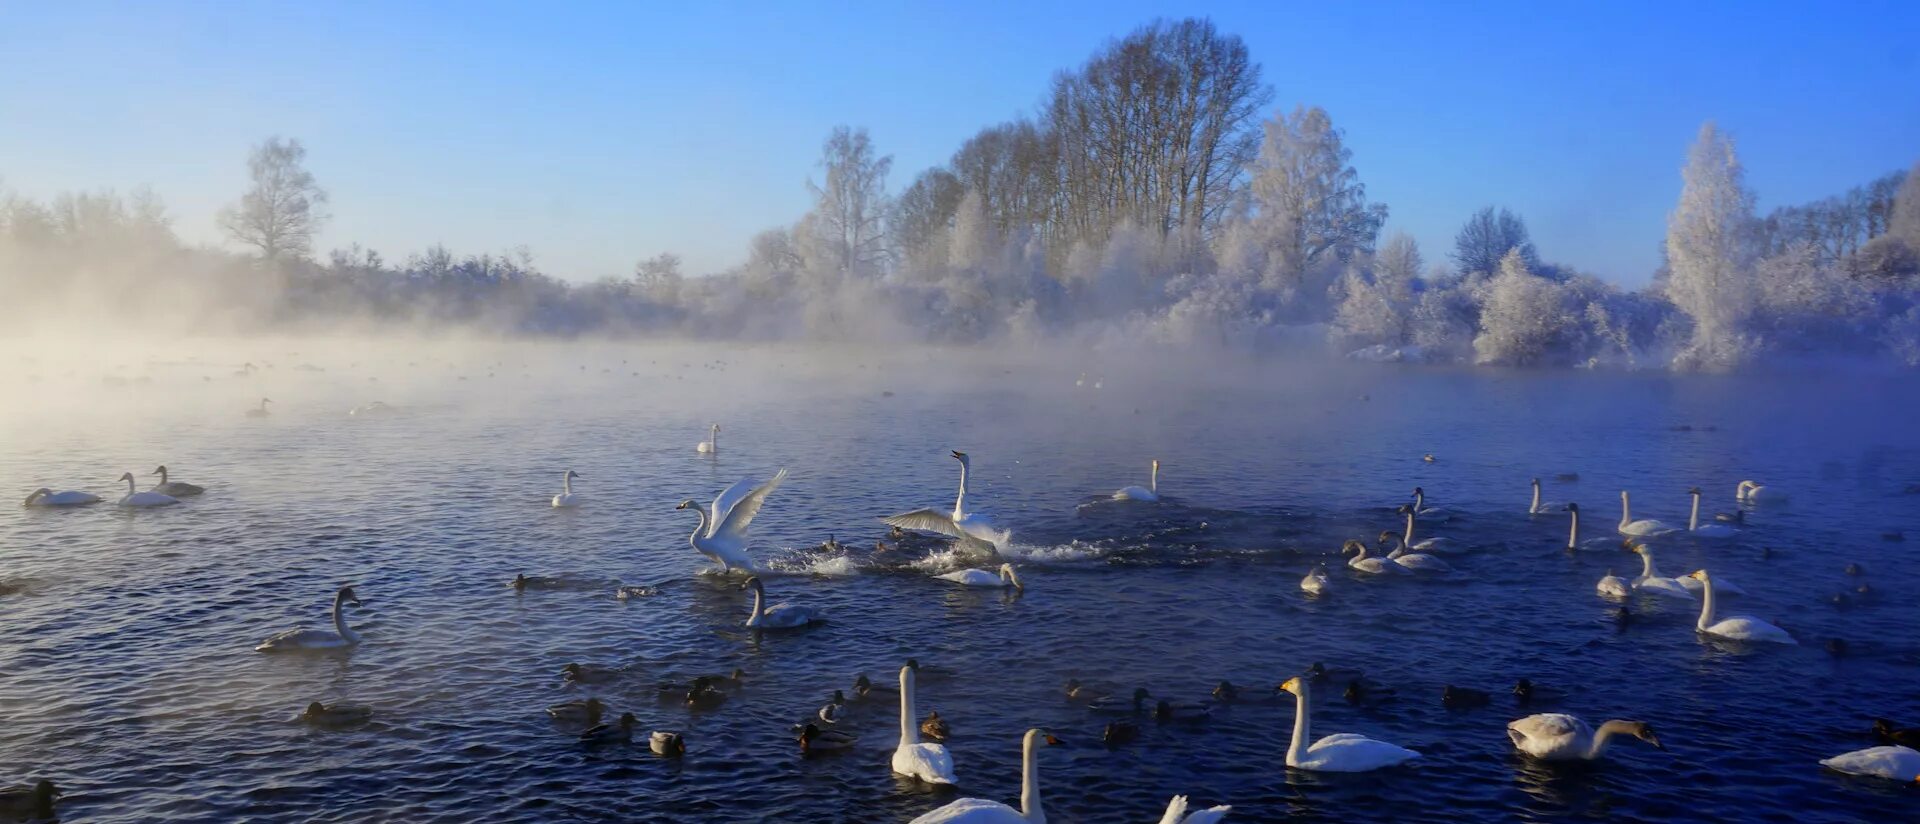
column 127, row 674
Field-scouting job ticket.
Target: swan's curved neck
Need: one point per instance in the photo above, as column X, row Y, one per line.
column 1407, row 539
column 754, row 621
column 37, row 495
column 1573, row 530
column 1646, row 565
column 130, row 489
column 163, row 476
column 1606, row 731
column 1535, row 506
column 700, row 528
column 1030, row 779
column 909, row 733
column 960, row 503
column 340, row 618
column 713, row 436
column 1693, row 518
column 1706, row 605
column 566, row 483
column 1153, row 483
column 1302, row 726
column 1626, row 515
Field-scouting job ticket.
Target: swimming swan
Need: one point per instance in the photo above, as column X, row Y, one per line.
column 1419, row 561
column 982, row 811
column 983, row 578
column 1652, row 581
column 1151, row 494
column 566, row 498
column 1629, row 526
column 261, row 410
column 1739, row 627
column 778, row 616
column 722, row 537
column 1705, row 530
column 1316, row 582
column 931, row 763
column 135, row 498
column 178, row 489
column 47, row 497
column 1371, row 566
column 1895, row 762
column 1342, row 752
column 1553, row 736
column 1754, row 493
column 1434, row 512
column 1428, row 545
column 304, row 639
column 711, row 445
column 967, row 526
column 1537, row 507
column 1613, row 586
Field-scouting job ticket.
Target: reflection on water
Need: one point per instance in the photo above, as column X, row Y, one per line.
column 126, row 637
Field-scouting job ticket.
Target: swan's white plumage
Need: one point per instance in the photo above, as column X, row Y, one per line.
column 1897, row 763
column 983, row 578
column 144, row 499
column 1613, row 586
column 722, row 534
column 1738, row 627
column 567, row 499
column 47, row 497
column 1341, row 752
column 1177, row 813
column 960, row 523
column 1316, row 581
column 1146, row 494
column 931, row 763
column 1652, row 582
column 1554, row 736
column 1641, row 528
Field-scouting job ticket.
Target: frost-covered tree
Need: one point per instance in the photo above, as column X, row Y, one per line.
column 1710, row 247
column 1309, row 203
column 1487, row 238
column 659, row 278
column 1378, row 299
column 848, row 222
column 1525, row 320
column 283, row 209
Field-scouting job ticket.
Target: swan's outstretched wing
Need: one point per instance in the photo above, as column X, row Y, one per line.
column 926, row 519
column 728, row 498
column 732, row 521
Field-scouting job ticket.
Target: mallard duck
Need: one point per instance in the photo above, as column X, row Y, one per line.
column 665, row 742
column 731, row 681
column 588, row 673
column 1119, row 732
column 703, row 696
column 835, row 709
column 1111, row 705
column 578, row 712
column 338, row 715
column 1167, row 712
column 1359, row 694
column 620, row 732
column 33, row 803
column 1527, row 693
column 1886, row 733
column 1462, row 698
column 935, row 727
column 1323, row 677
column 814, row 739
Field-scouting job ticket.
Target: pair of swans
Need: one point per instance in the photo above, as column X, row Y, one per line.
column 147, row 498
column 1738, row 627
column 1149, row 494
column 342, row 636
column 1553, row 736
column 778, row 616
column 1342, row 752
column 710, row 446
column 967, row 526
column 983, row 811
column 566, row 499
column 1004, row 579
column 722, row 535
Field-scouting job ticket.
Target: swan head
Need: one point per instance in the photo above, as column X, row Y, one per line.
column 572, row 474
column 37, row 494
column 1352, row 546
column 1226, row 691
column 1694, row 491
column 159, row 470
column 347, row 596
column 960, row 456
column 1420, row 492
column 1387, row 537
column 1536, row 481
column 1006, row 570
column 125, row 476
column 1699, row 575
column 753, row 583
column 1638, row 729
column 1045, row 737
column 1573, row 507
column 686, row 504
column 1293, row 685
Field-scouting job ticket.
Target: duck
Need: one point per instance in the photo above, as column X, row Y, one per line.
column 1342, row 752
column 1892, row 762
column 1323, row 676
column 337, row 715
column 982, row 811
column 1114, row 705
column 588, row 674
column 935, row 727
column 33, row 803
column 1526, row 693
column 1751, row 492
column 1715, row 530
column 341, row 637
column 1886, row 733
column 567, row 499
column 619, row 732
column 1077, row 691
column 522, row 582
column 735, row 680
column 1417, row 561
column 1613, row 586
column 1117, row 733
column 1362, row 694
column 1463, row 698
column 1316, row 582
column 261, row 410
column 710, row 446
column 1168, row 712
column 1004, row 579
column 1427, row 458
column 813, row 739
column 137, row 498
column 1147, row 494
column 778, row 616
column 177, row 489
column 930, row 763
column 703, row 695
column 1651, row 581
column 835, row 709
column 578, row 712
column 1641, row 528
column 1371, row 566
column 1737, row 628
column 47, row 497
column 667, row 743
column 1553, row 736
column 1539, row 507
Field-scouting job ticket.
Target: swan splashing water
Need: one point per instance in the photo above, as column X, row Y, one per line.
column 967, row 526
column 722, row 534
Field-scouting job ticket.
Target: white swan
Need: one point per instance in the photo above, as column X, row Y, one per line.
column 1150, row 494
column 149, row 498
column 1428, row 545
column 982, row 811
column 178, row 489
column 1342, row 752
column 1651, row 581
column 1316, row 582
column 47, row 497
column 722, row 535
column 1739, row 627
column 303, row 639
column 1629, row 526
column 1705, row 530
column 778, row 616
column 1538, row 507
column 1412, row 560
column 1177, row 813
column 1720, row 585
column 1434, row 512
column 261, row 410
column 982, row 578
column 1553, row 736
column 927, row 762
column 1371, row 566
column 1754, row 493
column 1895, row 762
column 1613, row 586
column 712, row 444
column 566, row 498
column 967, row 526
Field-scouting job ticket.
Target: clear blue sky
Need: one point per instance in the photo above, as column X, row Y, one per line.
column 597, row 134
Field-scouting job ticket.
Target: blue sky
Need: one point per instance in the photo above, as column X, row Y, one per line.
column 598, row 134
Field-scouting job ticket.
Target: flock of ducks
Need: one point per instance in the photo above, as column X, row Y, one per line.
column 721, row 536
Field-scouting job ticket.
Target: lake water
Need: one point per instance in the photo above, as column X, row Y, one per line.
column 128, row 676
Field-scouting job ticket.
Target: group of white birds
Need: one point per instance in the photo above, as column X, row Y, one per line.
column 164, row 493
